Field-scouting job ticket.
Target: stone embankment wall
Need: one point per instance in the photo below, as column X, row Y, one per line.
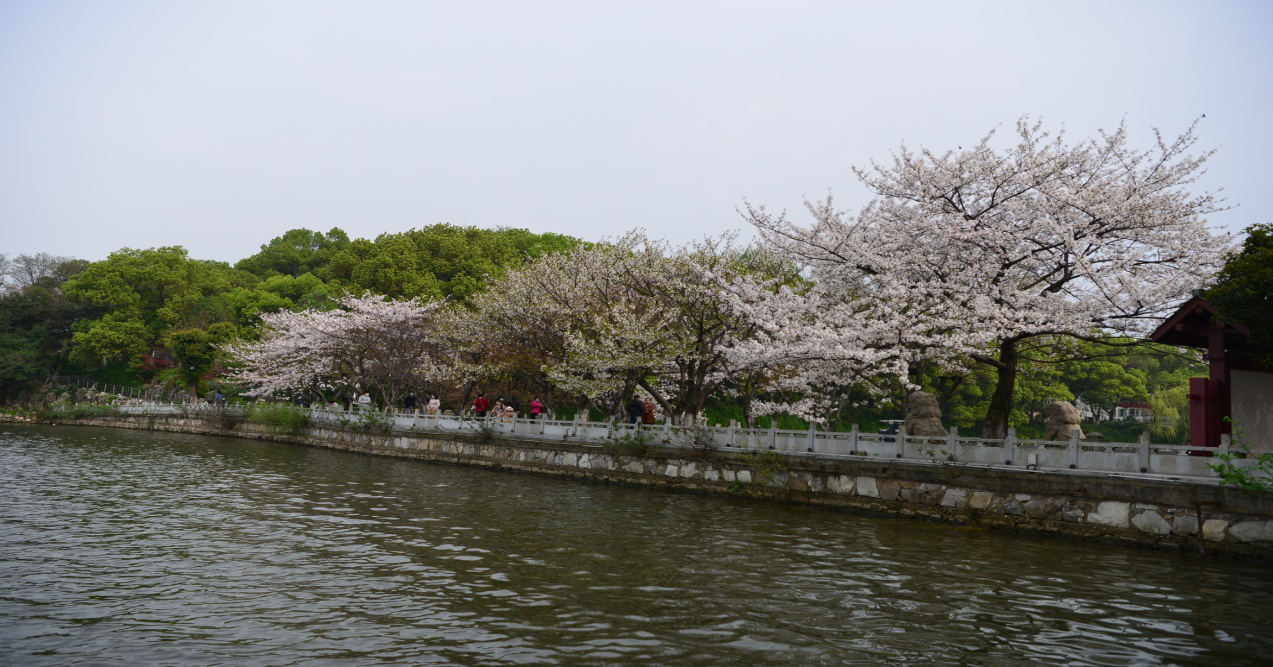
column 1152, row 511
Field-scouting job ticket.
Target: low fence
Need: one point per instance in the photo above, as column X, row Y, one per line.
column 1142, row 458
column 124, row 393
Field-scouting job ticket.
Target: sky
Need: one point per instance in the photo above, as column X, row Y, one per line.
column 219, row 125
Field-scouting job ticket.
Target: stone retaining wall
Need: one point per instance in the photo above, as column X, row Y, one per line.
column 1159, row 512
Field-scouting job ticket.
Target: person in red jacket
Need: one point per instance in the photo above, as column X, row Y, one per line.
column 481, row 405
column 536, row 408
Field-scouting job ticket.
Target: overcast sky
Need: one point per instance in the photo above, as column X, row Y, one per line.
column 219, row 125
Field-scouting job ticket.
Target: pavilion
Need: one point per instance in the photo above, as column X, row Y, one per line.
column 1238, row 387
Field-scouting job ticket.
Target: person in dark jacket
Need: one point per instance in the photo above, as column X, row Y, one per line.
column 636, row 408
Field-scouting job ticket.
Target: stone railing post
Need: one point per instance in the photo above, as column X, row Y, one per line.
column 729, row 433
column 813, row 437
column 952, row 444
column 853, row 439
column 773, row 432
column 1010, row 446
column 1072, row 452
column 1143, row 447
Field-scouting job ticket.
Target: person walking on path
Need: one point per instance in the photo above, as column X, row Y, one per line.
column 536, row 408
column 408, row 403
column 636, row 407
column 434, row 405
column 647, row 416
column 481, row 405
column 364, row 402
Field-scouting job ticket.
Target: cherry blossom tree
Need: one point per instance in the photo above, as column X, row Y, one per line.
column 577, row 322
column 366, row 344
column 600, row 321
column 969, row 253
column 703, row 326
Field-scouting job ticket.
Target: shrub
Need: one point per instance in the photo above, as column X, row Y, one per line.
column 280, row 417
column 484, row 431
column 698, row 442
column 76, row 412
column 634, row 443
column 767, row 466
column 376, row 422
column 228, row 416
column 1258, row 477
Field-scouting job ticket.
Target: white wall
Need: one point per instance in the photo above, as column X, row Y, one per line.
column 1252, row 397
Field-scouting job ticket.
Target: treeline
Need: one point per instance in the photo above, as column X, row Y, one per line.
column 156, row 315
column 587, row 328
column 997, row 278
column 159, row 317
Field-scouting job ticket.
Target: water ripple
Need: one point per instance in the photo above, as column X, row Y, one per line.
column 162, row 549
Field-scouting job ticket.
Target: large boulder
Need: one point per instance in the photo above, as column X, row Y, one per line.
column 924, row 416
column 1062, row 422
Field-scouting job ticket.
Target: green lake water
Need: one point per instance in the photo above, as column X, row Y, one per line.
column 132, row 548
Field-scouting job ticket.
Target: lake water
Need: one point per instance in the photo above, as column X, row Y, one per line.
column 128, row 547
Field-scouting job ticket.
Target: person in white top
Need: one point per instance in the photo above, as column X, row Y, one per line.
column 434, row 405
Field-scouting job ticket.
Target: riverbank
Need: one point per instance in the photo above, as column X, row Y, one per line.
column 1159, row 512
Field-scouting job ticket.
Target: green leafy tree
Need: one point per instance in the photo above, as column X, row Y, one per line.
column 295, row 253
column 1243, row 291
column 1171, row 413
column 304, row 291
column 196, row 351
column 1100, row 373
column 137, row 297
column 35, row 330
column 21, row 364
column 248, row 304
column 441, row 261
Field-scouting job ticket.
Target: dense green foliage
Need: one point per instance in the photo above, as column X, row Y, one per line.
column 158, row 315
column 1243, row 292
column 281, row 417
column 296, row 253
column 35, row 322
column 435, row 262
column 1242, row 468
column 1100, row 374
column 137, row 297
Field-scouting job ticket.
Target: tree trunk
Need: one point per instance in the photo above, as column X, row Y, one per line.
column 465, row 403
column 995, row 425
column 672, row 415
